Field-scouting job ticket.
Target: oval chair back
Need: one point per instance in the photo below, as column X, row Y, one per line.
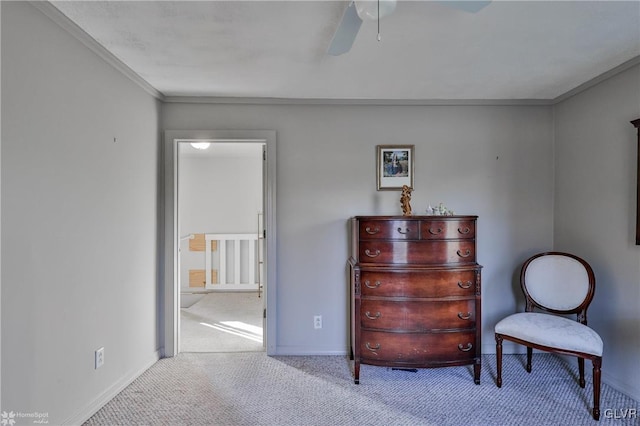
column 557, row 282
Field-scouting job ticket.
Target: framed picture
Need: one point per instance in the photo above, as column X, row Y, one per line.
column 394, row 165
column 636, row 124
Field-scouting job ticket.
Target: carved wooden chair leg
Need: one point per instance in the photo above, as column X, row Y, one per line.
column 581, row 371
column 529, row 355
column 498, row 360
column 597, row 363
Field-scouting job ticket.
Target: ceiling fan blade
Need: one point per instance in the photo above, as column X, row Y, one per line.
column 346, row 33
column 472, row 6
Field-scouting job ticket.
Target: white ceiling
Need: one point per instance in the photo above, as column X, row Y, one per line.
column 429, row 51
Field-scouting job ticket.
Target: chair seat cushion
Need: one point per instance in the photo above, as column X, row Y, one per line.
column 552, row 331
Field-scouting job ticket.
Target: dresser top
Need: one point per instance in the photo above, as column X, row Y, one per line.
column 425, row 217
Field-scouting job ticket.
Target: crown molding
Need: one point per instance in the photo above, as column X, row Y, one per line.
column 597, row 80
column 72, row 28
column 365, row 102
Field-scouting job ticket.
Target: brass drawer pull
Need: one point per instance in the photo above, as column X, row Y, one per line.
column 466, row 285
column 464, row 316
column 464, row 230
column 368, row 346
column 406, row 231
column 436, row 231
column 373, row 231
column 375, row 285
column 370, row 254
column 465, row 349
column 372, row 317
column 466, row 253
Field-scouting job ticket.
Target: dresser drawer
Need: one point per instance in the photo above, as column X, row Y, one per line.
column 417, row 348
column 389, row 229
column 417, row 252
column 447, row 229
column 417, row 315
column 436, row 283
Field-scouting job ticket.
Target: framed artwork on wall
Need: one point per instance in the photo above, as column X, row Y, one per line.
column 636, row 124
column 394, row 166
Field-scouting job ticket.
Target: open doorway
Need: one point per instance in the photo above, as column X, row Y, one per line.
column 169, row 304
column 221, row 249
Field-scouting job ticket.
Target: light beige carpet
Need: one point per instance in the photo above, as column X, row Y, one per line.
column 223, row 322
column 253, row 389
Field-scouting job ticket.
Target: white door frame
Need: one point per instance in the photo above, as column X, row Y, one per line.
column 168, row 269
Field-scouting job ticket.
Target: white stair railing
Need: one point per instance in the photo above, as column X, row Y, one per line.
column 251, row 283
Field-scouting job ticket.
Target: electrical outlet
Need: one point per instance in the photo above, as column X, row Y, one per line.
column 317, row 321
column 99, row 357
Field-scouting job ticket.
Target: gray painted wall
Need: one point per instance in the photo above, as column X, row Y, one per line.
column 79, row 222
column 594, row 214
column 79, row 228
column 492, row 161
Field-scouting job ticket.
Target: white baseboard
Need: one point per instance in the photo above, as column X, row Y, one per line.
column 508, row 348
column 83, row 414
column 487, row 348
column 626, row 388
column 306, row 351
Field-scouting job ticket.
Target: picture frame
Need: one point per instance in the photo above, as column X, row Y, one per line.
column 636, row 124
column 394, row 166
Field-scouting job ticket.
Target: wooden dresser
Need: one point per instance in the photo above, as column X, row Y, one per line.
column 415, row 292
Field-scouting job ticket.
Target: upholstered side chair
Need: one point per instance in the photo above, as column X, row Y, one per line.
column 556, row 284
